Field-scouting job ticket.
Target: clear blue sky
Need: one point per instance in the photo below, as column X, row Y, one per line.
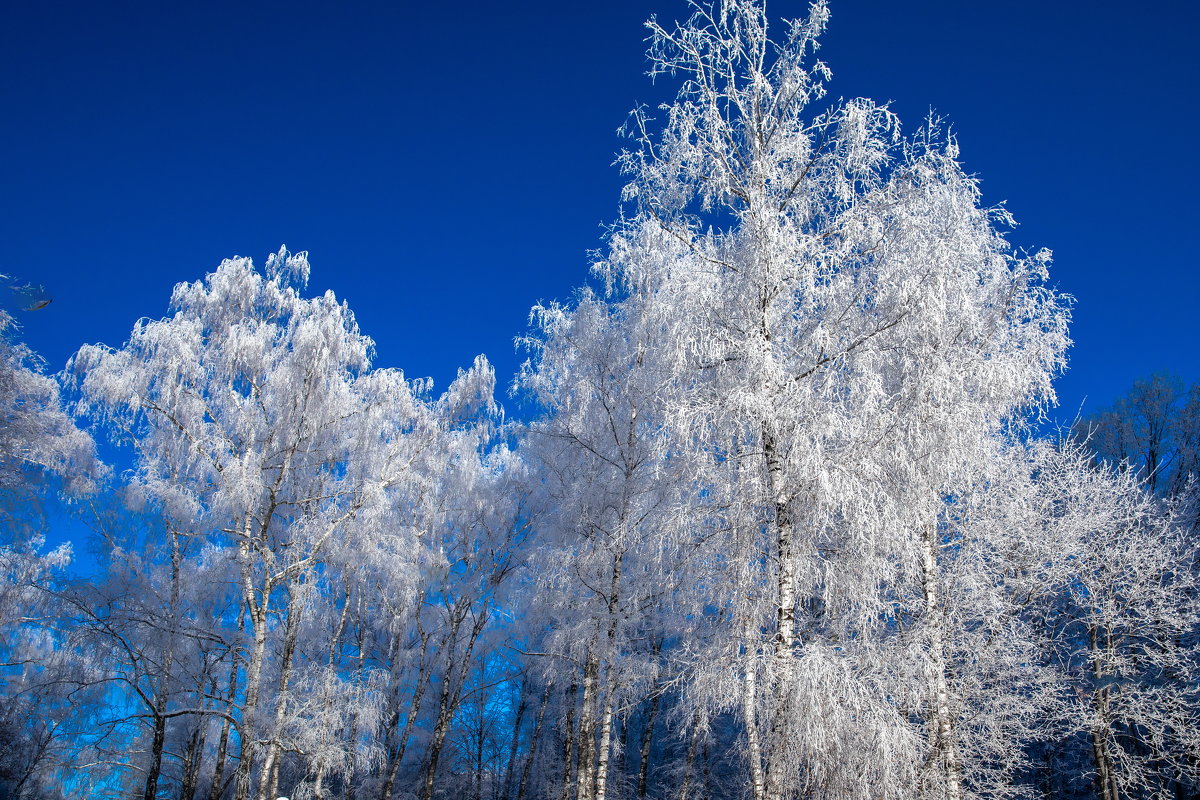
column 448, row 164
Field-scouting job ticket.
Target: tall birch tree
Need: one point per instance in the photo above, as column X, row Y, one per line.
column 845, row 326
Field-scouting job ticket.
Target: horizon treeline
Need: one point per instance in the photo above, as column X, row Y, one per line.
column 779, row 524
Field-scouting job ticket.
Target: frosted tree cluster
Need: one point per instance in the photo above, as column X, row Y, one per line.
column 777, row 524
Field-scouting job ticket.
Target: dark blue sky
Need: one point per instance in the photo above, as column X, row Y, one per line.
column 449, row 164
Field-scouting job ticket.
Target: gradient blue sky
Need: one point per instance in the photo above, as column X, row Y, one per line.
column 448, row 164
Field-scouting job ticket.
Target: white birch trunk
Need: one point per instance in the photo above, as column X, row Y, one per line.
column 257, row 606
column 585, row 779
column 268, row 787
column 943, row 745
column 750, row 717
column 606, row 726
column 569, row 742
column 784, row 664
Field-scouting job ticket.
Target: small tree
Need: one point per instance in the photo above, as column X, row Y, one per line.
column 1153, row 430
column 1128, row 619
column 38, row 438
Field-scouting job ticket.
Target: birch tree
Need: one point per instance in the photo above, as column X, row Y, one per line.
column 1129, row 625
column 42, row 454
column 258, row 427
column 477, row 519
column 611, row 542
column 846, row 326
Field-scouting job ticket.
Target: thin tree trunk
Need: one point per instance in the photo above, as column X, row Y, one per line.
column 622, row 756
column 1106, row 779
column 522, row 705
column 648, row 731
column 257, row 611
column 195, row 755
column 750, row 717
column 944, row 747
column 258, row 603
column 569, row 742
column 443, row 718
column 359, row 673
column 451, row 692
column 585, row 779
column 335, row 640
column 215, row 789
column 785, row 618
column 414, row 705
column 533, row 743
column 599, row 787
column 150, row 789
column 268, row 787
column 686, row 783
column 414, row 709
column 479, row 739
column 606, row 725
column 708, row 787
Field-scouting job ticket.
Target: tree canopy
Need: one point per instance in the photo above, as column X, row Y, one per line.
column 779, row 521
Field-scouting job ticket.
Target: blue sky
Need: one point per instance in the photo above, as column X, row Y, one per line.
column 447, row 165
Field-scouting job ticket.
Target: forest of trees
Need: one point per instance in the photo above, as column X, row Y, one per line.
column 783, row 520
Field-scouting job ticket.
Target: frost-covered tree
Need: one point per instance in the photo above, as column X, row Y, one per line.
column 311, row 513
column 846, row 328
column 612, row 552
column 260, row 431
column 777, row 526
column 476, row 520
column 33, row 665
column 42, row 454
column 1154, row 430
column 1128, row 626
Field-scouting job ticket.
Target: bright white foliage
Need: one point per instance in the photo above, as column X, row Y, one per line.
column 36, row 433
column 782, row 487
column 253, row 404
column 615, row 536
column 1133, row 599
column 260, row 429
column 846, row 334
